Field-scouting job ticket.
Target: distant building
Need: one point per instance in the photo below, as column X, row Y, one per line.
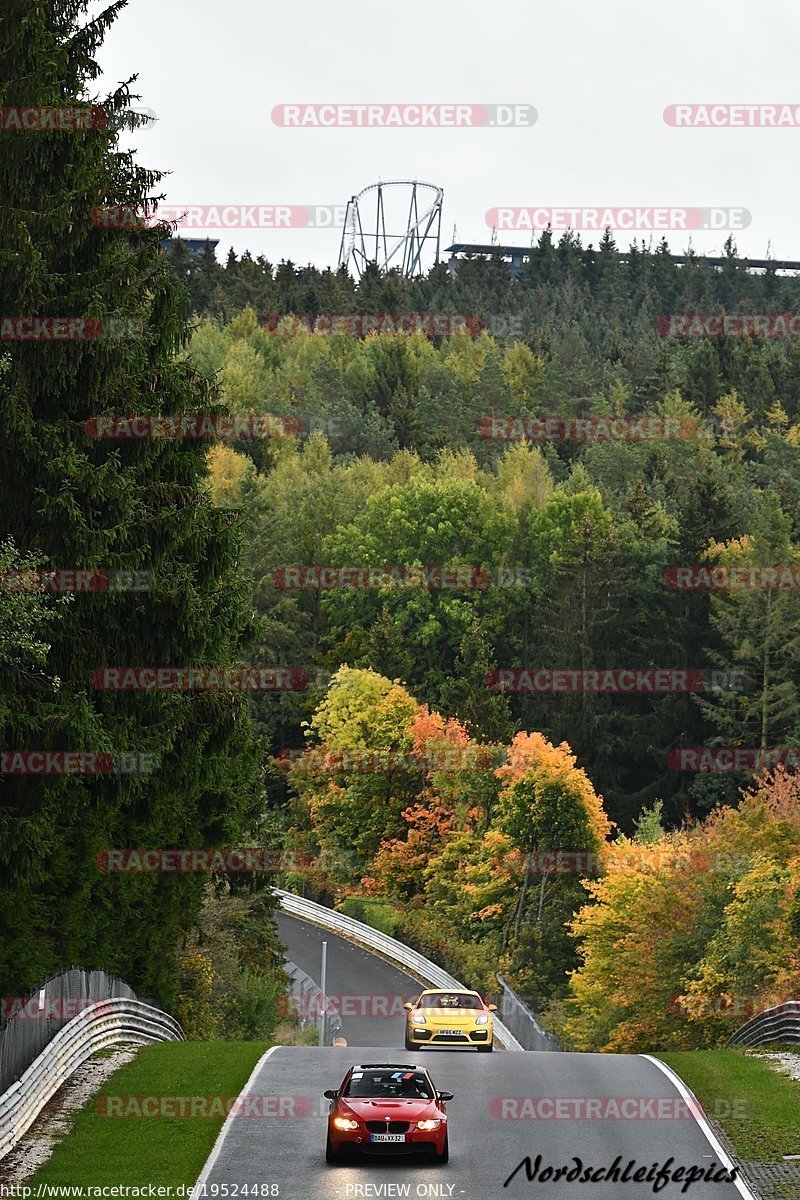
column 515, row 256
column 195, row 247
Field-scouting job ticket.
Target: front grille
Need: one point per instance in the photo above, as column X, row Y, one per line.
column 451, row 1037
column 392, row 1127
column 389, row 1149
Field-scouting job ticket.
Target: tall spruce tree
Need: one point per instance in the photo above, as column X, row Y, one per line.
column 68, row 499
column 759, row 634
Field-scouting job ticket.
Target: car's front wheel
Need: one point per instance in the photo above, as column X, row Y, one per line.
column 486, row 1049
column 445, row 1155
column 330, row 1154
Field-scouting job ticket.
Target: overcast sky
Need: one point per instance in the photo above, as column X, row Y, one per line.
column 598, row 75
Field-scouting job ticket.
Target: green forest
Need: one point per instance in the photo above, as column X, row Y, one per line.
column 403, row 776
column 385, row 464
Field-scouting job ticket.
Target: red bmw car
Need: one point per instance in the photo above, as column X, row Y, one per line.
column 387, row 1109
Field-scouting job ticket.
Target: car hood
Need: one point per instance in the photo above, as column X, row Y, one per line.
column 395, row 1110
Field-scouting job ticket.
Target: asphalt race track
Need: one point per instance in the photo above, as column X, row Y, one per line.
column 359, row 982
column 282, row 1139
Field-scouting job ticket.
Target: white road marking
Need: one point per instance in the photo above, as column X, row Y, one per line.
column 693, row 1105
column 214, row 1155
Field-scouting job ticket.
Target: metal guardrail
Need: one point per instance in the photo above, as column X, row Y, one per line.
column 387, row 946
column 520, row 1020
column 105, row 1023
column 28, row 1023
column 304, row 986
column 778, row 1024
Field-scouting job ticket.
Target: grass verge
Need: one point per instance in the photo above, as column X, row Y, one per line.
column 758, row 1108
column 378, row 913
column 140, row 1150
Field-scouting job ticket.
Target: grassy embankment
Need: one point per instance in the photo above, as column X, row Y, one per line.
column 758, row 1108
column 137, row 1150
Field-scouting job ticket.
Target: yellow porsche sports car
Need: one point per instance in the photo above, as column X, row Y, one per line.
column 438, row 1018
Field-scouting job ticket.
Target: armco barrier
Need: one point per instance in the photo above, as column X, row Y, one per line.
column 519, row 1018
column 386, row 946
column 778, row 1024
column 105, row 1023
column 28, row 1023
column 302, row 986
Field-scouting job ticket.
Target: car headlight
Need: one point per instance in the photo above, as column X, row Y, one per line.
column 484, row 1020
column 429, row 1124
column 418, row 1018
column 345, row 1123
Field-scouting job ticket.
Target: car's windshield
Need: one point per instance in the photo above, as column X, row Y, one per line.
column 389, row 1083
column 451, row 1000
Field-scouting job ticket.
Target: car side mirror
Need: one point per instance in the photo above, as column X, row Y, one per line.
column 444, row 1095
column 408, row 1006
column 492, row 1007
column 330, row 1095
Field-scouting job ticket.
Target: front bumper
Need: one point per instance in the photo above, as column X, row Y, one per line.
column 357, row 1141
column 421, row 1036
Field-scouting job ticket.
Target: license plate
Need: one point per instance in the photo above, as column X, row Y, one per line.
column 388, row 1137
column 451, row 1032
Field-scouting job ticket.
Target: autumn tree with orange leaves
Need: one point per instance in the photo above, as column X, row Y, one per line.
column 690, row 935
column 477, row 840
column 557, row 824
column 459, row 794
